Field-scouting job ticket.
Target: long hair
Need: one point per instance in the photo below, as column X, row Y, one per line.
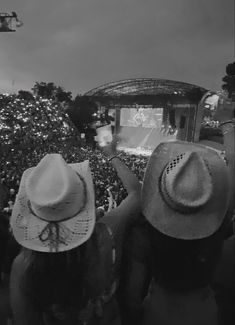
column 4, row 235
column 55, row 278
column 184, row 265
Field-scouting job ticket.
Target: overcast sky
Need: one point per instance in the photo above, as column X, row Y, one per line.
column 81, row 44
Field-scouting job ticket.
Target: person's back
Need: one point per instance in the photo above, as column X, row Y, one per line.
column 74, row 287
column 224, row 282
column 185, row 197
column 192, row 308
column 182, row 272
column 66, row 271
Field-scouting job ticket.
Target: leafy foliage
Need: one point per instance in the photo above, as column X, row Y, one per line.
column 195, row 95
column 51, row 91
column 229, row 79
column 83, row 112
column 26, row 95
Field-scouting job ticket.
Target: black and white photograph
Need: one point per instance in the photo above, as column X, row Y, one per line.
column 117, row 162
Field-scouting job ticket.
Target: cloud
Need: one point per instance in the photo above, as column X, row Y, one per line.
column 82, row 44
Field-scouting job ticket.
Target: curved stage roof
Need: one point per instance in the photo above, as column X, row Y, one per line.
column 143, row 86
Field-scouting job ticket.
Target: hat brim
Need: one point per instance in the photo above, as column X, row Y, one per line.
column 199, row 224
column 211, row 144
column 27, row 228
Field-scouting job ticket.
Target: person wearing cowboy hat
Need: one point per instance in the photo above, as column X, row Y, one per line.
column 224, row 113
column 224, row 280
column 67, row 270
column 173, row 255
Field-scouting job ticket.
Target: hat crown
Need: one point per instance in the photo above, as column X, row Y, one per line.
column 186, row 183
column 55, row 191
column 187, row 198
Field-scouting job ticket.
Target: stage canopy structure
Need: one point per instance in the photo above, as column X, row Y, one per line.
column 145, row 111
column 145, row 90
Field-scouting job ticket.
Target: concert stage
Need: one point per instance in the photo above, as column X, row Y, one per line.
column 140, row 140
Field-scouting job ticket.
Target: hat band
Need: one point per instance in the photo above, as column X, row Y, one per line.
column 67, row 218
column 177, row 206
column 55, row 234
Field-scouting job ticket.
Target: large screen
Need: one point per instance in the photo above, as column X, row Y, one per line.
column 144, row 117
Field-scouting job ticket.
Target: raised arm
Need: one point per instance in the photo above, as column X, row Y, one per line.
column 129, row 209
column 128, row 178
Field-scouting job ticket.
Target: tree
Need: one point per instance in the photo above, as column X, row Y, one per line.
column 83, row 112
column 63, row 96
column 195, row 95
column 229, row 79
column 51, row 91
column 43, row 89
column 26, row 95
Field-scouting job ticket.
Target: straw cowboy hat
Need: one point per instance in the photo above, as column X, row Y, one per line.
column 185, row 192
column 55, row 206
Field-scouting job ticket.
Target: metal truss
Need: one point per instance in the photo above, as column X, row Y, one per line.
column 143, row 86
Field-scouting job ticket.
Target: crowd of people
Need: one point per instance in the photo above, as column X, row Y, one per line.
column 25, row 121
column 13, row 163
column 161, row 252
column 32, row 128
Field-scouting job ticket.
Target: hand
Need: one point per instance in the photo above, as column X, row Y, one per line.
column 110, row 149
column 224, row 111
